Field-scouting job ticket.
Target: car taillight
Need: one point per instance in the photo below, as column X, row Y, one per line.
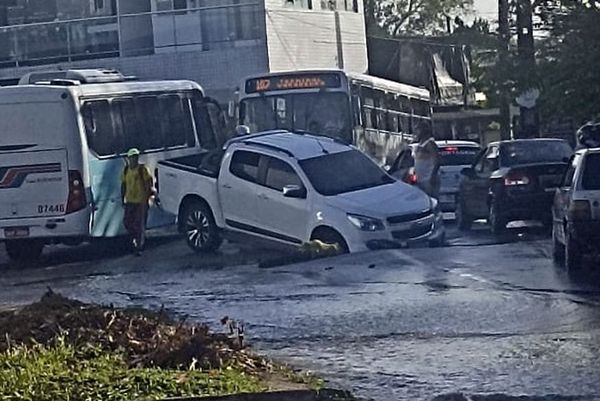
column 579, row 210
column 411, row 177
column 516, row 180
column 76, row 199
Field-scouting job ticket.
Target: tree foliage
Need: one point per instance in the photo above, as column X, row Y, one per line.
column 569, row 57
column 412, row 17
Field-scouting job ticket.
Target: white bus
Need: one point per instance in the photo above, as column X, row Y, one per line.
column 62, row 143
column 374, row 114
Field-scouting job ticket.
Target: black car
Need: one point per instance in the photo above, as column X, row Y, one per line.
column 512, row 180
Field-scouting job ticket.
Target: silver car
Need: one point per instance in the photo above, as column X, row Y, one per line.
column 454, row 156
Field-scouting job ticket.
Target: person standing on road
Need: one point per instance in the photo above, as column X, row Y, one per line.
column 137, row 187
column 427, row 163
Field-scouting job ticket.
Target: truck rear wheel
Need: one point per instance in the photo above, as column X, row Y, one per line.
column 200, row 229
column 23, row 250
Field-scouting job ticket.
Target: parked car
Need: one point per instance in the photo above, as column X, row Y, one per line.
column 576, row 210
column 454, row 157
column 512, row 180
column 294, row 188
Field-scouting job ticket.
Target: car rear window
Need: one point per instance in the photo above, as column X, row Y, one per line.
column 591, row 173
column 458, row 155
column 535, row 151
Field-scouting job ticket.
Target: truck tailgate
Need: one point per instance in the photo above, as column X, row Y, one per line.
column 33, row 183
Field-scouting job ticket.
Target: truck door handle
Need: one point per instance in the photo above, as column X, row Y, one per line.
column 226, row 186
column 171, row 175
column 263, row 196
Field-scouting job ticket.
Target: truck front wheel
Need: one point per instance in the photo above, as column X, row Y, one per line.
column 22, row 250
column 201, row 231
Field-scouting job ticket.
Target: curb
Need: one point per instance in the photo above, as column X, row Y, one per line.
column 295, row 395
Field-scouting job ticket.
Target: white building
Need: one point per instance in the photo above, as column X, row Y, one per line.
column 214, row 42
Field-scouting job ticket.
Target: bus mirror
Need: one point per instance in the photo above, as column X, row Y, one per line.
column 231, row 109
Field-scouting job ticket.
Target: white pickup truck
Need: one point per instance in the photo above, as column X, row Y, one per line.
column 294, row 188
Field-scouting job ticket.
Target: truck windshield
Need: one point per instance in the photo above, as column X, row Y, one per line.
column 343, row 172
column 534, row 151
column 325, row 113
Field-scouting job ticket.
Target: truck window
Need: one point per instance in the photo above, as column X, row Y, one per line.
column 280, row 174
column 244, row 165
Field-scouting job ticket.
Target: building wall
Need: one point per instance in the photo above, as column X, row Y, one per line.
column 213, row 70
column 301, row 38
column 217, row 46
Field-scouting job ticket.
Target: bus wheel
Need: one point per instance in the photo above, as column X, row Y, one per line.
column 21, row 250
column 200, row 229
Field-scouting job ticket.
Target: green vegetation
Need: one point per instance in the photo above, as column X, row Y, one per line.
column 64, row 372
column 60, row 349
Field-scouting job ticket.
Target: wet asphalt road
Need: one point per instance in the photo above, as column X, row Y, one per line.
column 482, row 316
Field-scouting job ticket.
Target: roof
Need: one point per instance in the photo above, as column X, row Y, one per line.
column 299, row 145
column 528, row 140
column 367, row 80
column 101, row 88
column 392, row 86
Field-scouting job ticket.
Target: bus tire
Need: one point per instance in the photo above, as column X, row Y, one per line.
column 23, row 250
column 199, row 227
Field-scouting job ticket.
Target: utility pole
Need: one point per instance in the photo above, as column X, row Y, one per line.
column 529, row 120
column 504, row 69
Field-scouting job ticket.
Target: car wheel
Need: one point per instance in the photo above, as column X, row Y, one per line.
column 573, row 256
column 496, row 221
column 332, row 238
column 201, row 231
column 558, row 249
column 463, row 220
column 24, row 250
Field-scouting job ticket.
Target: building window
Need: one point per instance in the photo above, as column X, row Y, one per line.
column 299, row 4
column 179, row 4
column 340, row 5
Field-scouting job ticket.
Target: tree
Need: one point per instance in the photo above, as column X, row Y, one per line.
column 569, row 57
column 411, row 17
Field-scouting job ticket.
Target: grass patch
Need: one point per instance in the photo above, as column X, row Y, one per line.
column 63, row 372
column 60, row 349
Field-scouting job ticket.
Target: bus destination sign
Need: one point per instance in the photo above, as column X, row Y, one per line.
column 290, row 82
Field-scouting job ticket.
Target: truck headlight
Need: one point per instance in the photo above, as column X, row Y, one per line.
column 365, row 223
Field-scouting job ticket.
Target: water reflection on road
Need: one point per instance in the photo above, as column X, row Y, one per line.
column 477, row 317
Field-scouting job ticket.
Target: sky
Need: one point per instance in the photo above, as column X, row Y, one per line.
column 487, row 9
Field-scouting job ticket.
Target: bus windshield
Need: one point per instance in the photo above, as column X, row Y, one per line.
column 325, row 113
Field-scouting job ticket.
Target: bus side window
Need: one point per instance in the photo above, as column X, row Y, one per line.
column 176, row 121
column 98, row 126
column 128, row 133
column 204, row 124
column 148, row 116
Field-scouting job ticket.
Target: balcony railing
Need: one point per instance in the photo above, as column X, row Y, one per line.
column 127, row 35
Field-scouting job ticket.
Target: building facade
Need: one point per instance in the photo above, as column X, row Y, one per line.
column 213, row 42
